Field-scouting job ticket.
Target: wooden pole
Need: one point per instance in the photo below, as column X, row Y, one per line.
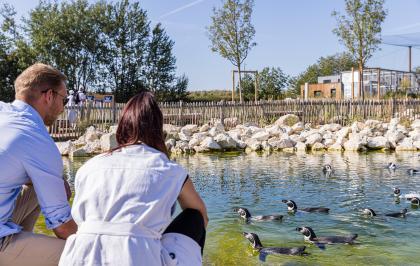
column 379, row 83
column 256, row 86
column 352, row 83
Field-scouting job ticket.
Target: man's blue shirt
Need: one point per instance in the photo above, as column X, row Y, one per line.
column 28, row 154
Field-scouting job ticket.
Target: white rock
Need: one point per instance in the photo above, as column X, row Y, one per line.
column 287, row 120
column 283, row 143
column 266, row 146
column 374, row 124
column 298, row 127
column 394, row 136
column 357, row 126
column 306, row 133
column 356, row 142
column 113, row 129
column 415, row 124
column 261, row 136
column 94, row 147
column 297, row 138
column 274, row 130
column 300, row 146
column 393, row 123
column 225, row 141
column 184, row 137
column 406, row 145
column 64, row 147
column 91, row 134
column 312, row 139
column 204, row 128
column 108, row 142
column 208, row 144
column 328, row 142
column 378, row 143
column 253, row 144
column 417, row 144
column 343, row 132
column 188, row 130
column 318, row 147
column 170, row 143
column 335, row 147
column 330, row 127
column 415, row 134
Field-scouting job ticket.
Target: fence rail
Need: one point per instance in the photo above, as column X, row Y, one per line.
column 102, row 115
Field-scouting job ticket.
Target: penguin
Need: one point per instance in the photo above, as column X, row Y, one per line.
column 292, row 207
column 392, row 166
column 310, row 236
column 401, row 214
column 369, row 212
column 245, row 214
column 409, row 196
column 327, row 169
column 397, row 192
column 415, row 201
column 372, row 213
column 412, row 171
column 256, row 244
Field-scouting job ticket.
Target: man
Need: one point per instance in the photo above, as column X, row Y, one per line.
column 32, row 169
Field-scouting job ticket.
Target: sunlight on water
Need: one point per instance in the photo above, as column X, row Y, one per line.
column 260, row 181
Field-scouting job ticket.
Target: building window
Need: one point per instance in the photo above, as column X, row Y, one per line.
column 317, row 94
column 333, row 93
column 327, row 81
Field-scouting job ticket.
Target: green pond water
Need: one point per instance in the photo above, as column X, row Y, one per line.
column 260, row 181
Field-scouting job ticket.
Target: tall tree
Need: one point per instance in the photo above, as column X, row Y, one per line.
column 359, row 30
column 231, row 32
column 160, row 63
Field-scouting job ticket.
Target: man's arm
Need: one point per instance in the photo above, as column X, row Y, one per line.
column 66, row 229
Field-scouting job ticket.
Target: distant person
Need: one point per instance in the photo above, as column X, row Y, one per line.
column 124, row 200
column 81, row 96
column 72, row 112
column 31, row 176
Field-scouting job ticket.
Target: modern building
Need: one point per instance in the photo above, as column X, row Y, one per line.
column 377, row 82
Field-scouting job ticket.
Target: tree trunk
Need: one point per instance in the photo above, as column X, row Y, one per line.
column 240, row 83
column 361, row 88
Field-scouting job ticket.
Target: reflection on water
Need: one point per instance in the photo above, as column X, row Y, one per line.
column 260, row 181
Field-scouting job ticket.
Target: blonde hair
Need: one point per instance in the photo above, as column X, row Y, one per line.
column 35, row 79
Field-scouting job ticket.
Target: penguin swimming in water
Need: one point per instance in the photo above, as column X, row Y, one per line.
column 409, row 196
column 245, row 214
column 292, row 207
column 256, row 244
column 327, row 169
column 310, row 236
column 412, row 171
column 415, row 201
column 392, row 166
column 401, row 214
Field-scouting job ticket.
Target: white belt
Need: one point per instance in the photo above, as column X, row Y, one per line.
column 117, row 229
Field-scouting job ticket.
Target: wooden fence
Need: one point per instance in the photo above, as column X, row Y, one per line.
column 317, row 112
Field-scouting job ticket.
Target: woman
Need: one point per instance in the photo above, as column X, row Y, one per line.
column 124, row 199
column 72, row 112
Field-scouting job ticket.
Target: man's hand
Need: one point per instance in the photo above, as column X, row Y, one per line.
column 68, row 189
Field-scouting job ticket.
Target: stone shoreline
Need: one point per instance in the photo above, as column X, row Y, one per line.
column 286, row 134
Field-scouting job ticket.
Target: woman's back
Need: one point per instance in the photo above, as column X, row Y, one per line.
column 123, row 204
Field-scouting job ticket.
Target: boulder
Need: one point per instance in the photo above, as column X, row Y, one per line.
column 312, row 139
column 184, row 137
column 298, row 127
column 108, row 141
column 415, row 124
column 170, row 143
column 330, row 127
column 300, row 146
column 188, row 130
column 91, row 134
column 94, row 147
column 406, row 145
column 225, row 141
column 335, row 147
column 343, row 132
column 266, row 146
column 113, row 129
column 357, row 126
column 253, row 144
column 377, row 143
column 318, row 147
column 64, row 147
column 261, row 136
column 287, row 120
column 283, row 143
column 208, row 144
column 80, row 152
column 204, row 128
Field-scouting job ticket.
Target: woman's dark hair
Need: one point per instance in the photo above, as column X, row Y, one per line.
column 141, row 121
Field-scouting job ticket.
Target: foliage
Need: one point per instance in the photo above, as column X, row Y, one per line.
column 209, row 96
column 104, row 46
column 271, row 82
column 231, row 32
column 325, row 66
column 360, row 29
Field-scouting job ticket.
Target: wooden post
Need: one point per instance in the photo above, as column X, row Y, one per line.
column 180, row 112
column 114, row 112
column 352, row 83
column 379, row 83
column 221, row 109
column 256, row 86
column 88, row 111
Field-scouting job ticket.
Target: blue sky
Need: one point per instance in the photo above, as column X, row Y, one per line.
column 289, row 34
